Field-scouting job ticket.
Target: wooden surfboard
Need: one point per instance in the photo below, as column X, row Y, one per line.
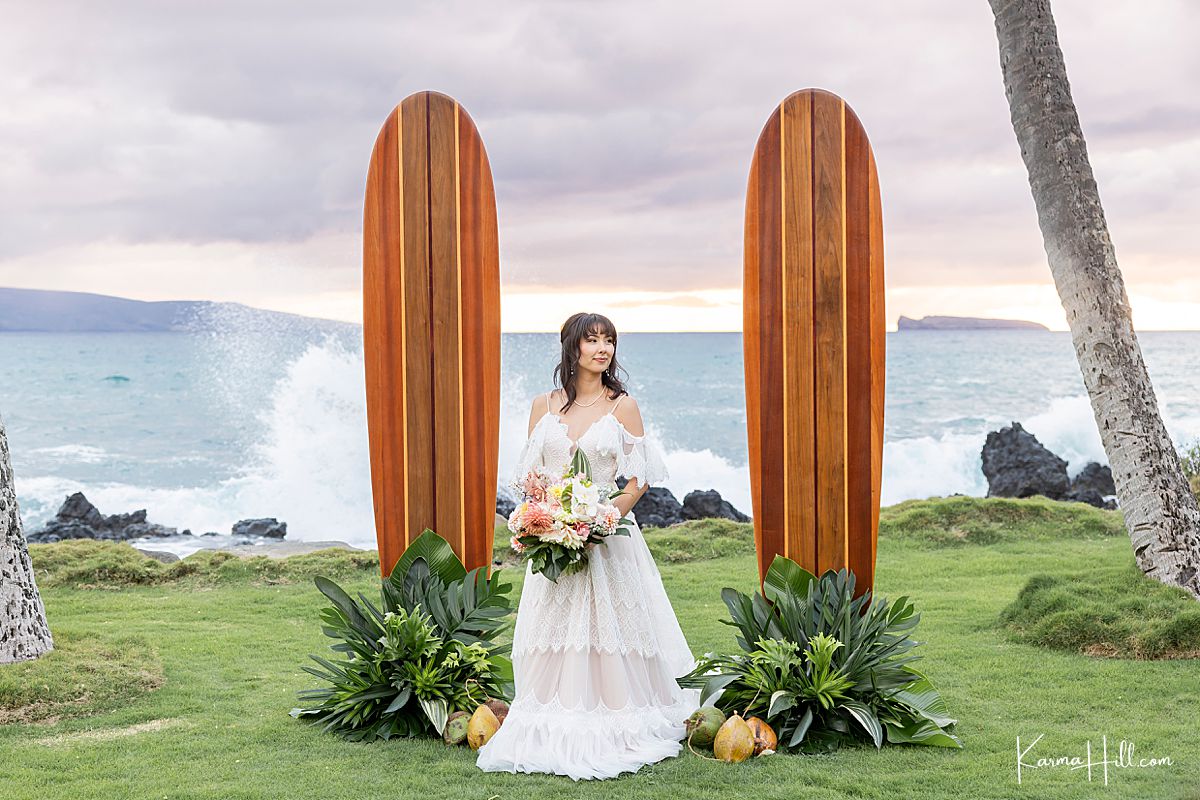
column 813, row 338
column 431, row 330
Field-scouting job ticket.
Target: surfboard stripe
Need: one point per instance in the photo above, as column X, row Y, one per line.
column 797, row 329
column 444, row 325
column 751, row 357
column 382, row 244
column 398, row 538
column 860, row 531
column 479, row 260
column 829, row 329
column 878, row 330
column 765, row 342
column 417, row 336
column 458, row 313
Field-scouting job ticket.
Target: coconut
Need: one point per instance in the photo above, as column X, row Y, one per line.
column 703, row 724
column 482, row 726
column 764, row 736
column 735, row 741
column 499, row 708
column 456, row 728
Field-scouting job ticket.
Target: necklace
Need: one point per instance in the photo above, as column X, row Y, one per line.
column 589, row 405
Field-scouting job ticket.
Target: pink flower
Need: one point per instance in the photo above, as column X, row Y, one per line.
column 515, row 543
column 533, row 487
column 537, row 518
column 610, row 517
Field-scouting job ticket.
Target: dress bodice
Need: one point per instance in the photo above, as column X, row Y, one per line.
column 611, row 450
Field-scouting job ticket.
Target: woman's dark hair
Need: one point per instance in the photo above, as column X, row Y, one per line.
column 574, row 331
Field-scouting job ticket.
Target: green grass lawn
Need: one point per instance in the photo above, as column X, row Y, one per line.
column 230, row 653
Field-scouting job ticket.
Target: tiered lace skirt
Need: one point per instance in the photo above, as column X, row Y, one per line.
column 595, row 658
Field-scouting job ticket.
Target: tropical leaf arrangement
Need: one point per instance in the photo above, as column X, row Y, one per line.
column 823, row 668
column 425, row 652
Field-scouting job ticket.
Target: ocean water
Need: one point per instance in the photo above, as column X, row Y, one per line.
column 205, row 429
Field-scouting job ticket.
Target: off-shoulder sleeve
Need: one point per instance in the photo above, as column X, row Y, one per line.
column 641, row 457
column 531, row 454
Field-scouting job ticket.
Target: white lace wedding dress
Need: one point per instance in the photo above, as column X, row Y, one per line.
column 596, row 655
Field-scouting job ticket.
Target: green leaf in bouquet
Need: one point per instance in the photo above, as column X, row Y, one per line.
column 580, row 464
column 551, row 570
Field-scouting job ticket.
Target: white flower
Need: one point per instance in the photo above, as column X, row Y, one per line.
column 588, row 493
column 515, row 516
column 585, row 501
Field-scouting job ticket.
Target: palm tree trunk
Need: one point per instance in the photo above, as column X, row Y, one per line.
column 24, row 633
column 1161, row 514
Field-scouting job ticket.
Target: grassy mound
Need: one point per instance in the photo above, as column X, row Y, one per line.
column 84, row 674
column 1115, row 612
column 88, row 564
column 700, row 539
column 949, row 521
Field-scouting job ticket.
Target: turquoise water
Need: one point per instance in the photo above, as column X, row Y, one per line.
column 203, row 430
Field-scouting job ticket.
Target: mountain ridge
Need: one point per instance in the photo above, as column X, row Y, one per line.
column 54, row 311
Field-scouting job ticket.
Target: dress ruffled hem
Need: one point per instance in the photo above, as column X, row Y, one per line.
column 585, row 744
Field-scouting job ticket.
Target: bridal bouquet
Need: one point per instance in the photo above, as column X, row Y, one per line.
column 559, row 519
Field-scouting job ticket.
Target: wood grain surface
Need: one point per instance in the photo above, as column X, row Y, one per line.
column 431, row 330
column 813, row 337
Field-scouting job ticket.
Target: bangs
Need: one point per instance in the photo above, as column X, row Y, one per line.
column 601, row 326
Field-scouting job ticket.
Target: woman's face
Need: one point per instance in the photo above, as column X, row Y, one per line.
column 596, row 352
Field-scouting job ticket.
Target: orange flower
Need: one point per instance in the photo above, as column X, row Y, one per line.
column 537, row 519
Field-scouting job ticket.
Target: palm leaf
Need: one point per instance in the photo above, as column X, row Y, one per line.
column 438, row 554
column 785, row 576
column 924, row 699
column 921, row 731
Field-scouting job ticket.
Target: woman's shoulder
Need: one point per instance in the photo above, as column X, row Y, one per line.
column 623, row 401
column 628, row 414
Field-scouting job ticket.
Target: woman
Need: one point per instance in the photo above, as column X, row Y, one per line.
column 595, row 655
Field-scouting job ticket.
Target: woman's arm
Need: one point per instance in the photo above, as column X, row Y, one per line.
column 629, row 415
column 535, row 412
column 633, row 493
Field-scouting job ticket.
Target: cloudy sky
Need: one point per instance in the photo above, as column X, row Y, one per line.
column 209, row 150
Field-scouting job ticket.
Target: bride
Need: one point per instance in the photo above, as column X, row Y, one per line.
column 595, row 655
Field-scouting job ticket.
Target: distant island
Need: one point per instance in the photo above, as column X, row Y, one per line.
column 46, row 311
column 966, row 324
